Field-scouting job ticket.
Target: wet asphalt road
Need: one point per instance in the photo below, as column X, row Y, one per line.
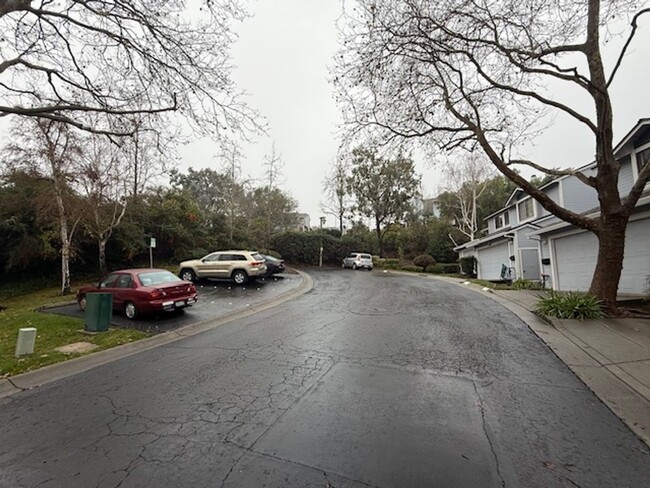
column 216, row 299
column 371, row 379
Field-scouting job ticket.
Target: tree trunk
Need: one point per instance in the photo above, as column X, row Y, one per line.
column 609, row 264
column 380, row 240
column 65, row 239
column 65, row 266
column 101, row 244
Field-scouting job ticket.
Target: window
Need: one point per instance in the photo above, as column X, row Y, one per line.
column 124, row 281
column 502, row 220
column 642, row 158
column 526, row 210
column 108, row 281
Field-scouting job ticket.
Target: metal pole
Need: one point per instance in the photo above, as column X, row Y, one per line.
column 150, row 257
column 320, row 257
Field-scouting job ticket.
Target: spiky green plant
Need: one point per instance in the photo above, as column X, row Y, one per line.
column 569, row 305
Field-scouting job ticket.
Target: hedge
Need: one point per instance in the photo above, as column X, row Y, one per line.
column 304, row 247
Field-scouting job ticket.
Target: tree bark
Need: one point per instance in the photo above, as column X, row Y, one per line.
column 609, row 263
column 101, row 244
column 380, row 240
column 65, row 243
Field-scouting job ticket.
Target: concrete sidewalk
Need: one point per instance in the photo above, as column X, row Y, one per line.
column 611, row 356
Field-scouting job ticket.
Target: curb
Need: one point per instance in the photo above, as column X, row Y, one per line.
column 39, row 377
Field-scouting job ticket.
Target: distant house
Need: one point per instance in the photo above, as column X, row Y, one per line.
column 427, row 206
column 300, row 222
column 525, row 241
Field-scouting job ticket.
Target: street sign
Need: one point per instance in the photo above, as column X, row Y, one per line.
column 153, row 242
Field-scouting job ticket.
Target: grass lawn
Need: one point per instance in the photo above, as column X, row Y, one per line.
column 20, row 309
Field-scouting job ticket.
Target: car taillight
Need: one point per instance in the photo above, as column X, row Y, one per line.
column 256, row 263
column 156, row 294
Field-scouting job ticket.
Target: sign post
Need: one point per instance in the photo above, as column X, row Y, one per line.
column 152, row 244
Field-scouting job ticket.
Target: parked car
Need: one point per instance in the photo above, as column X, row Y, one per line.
column 140, row 291
column 238, row 266
column 273, row 265
column 358, row 260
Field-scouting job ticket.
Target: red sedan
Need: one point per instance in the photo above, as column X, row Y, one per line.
column 137, row 291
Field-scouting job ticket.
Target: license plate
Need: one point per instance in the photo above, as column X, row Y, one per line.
column 180, row 303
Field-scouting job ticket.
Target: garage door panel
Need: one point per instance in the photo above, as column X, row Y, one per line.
column 636, row 265
column 490, row 261
column 576, row 259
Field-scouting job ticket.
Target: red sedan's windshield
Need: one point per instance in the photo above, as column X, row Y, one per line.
column 153, row 278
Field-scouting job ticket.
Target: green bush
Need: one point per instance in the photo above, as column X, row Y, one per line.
column 443, row 268
column 415, row 269
column 522, row 284
column 437, row 268
column 450, row 268
column 423, row 261
column 468, row 265
column 304, row 247
column 569, row 305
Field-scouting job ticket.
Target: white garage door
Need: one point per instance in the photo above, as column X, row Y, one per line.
column 636, row 265
column 490, row 260
column 576, row 259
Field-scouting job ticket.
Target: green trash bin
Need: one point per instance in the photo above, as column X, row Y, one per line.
column 99, row 311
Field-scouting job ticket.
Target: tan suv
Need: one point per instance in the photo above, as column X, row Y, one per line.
column 238, row 266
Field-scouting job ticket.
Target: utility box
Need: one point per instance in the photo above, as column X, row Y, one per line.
column 99, row 312
column 26, row 340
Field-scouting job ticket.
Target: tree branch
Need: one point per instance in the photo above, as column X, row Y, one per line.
column 634, row 25
column 587, row 180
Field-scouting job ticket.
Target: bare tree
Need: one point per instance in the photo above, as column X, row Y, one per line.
column 151, row 151
column 233, row 188
column 465, row 181
column 52, row 149
column 464, row 73
column 273, row 165
column 90, row 64
column 104, row 177
column 336, row 189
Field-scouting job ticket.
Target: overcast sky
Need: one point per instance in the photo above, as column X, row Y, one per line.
column 282, row 60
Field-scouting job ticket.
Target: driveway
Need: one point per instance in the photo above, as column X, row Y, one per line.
column 369, row 380
column 216, row 299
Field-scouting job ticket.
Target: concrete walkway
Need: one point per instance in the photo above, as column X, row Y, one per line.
column 611, row 356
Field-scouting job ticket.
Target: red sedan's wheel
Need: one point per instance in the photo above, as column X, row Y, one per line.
column 130, row 310
column 82, row 303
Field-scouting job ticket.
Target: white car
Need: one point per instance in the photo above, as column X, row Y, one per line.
column 358, row 260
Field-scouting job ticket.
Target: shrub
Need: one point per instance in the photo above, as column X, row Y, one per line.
column 415, row 269
column 423, row 261
column 450, row 268
column 468, row 265
column 437, row 268
column 522, row 284
column 569, row 305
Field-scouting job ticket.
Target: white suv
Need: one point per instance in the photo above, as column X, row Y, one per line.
column 358, row 260
column 238, row 266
